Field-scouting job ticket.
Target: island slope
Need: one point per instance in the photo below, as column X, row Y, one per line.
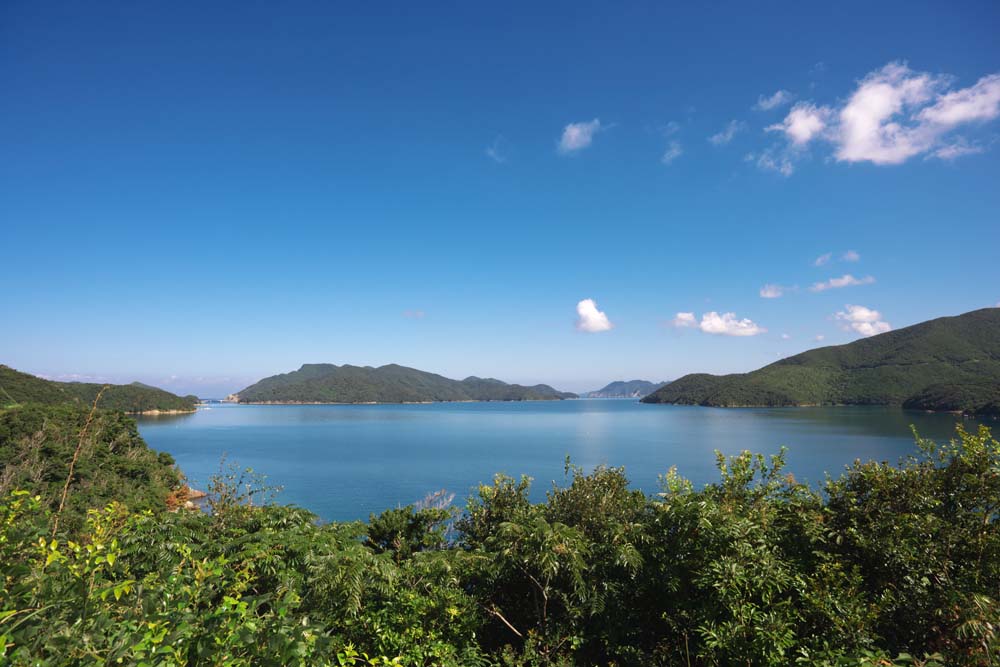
column 932, row 365
column 626, row 389
column 136, row 398
column 328, row 383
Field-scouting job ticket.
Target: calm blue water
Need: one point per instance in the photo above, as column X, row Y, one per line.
column 346, row 461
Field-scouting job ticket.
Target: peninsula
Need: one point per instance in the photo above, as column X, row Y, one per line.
column 18, row 388
column 946, row 364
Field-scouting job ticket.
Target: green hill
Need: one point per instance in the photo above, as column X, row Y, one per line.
column 328, row 383
column 20, row 388
column 938, row 364
column 626, row 389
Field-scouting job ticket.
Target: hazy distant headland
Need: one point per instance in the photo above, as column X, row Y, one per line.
column 625, row 389
column 329, row 383
column 947, row 364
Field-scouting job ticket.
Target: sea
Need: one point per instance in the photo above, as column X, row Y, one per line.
column 345, row 462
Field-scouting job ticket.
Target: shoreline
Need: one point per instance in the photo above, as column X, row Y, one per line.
column 470, row 400
column 958, row 413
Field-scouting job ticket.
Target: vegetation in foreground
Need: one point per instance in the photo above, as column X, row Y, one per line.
column 946, row 364
column 755, row 569
column 18, row 388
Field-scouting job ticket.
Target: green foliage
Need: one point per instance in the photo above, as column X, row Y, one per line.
column 405, row 531
column 951, row 363
column 327, row 383
column 887, row 565
column 980, row 400
column 18, row 388
column 37, row 445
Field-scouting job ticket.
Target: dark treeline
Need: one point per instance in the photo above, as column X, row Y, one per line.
column 885, row 565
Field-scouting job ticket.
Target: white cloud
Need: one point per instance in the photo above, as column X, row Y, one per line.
column 803, row 123
column 864, row 321
column 976, row 103
column 893, row 115
column 823, row 259
column 850, row 256
column 684, row 320
column 870, row 130
column 712, row 322
column 772, row 291
column 728, row 132
column 846, row 280
column 780, row 98
column 727, row 324
column 577, row 136
column 820, row 338
column 785, row 336
column 590, row 319
column 673, row 152
column 414, row 314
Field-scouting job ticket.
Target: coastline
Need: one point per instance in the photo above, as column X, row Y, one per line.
column 958, row 413
column 470, row 400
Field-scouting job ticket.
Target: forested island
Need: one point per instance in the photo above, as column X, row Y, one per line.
column 625, row 389
column 136, row 398
column 885, row 565
column 947, row 364
column 328, row 383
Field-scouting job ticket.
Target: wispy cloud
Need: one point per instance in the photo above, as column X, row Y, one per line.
column 851, row 256
column 414, row 314
column 894, row 114
column 773, row 159
column 953, row 151
column 774, row 291
column 673, row 152
column 590, row 319
column 846, row 280
column 577, row 136
column 727, row 133
column 725, row 324
column 497, row 151
column 861, row 320
column 778, row 99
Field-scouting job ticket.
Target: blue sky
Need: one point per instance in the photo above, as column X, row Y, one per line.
column 198, row 196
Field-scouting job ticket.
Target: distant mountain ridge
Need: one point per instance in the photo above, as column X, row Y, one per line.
column 625, row 389
column 329, row 383
column 136, row 398
column 949, row 363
